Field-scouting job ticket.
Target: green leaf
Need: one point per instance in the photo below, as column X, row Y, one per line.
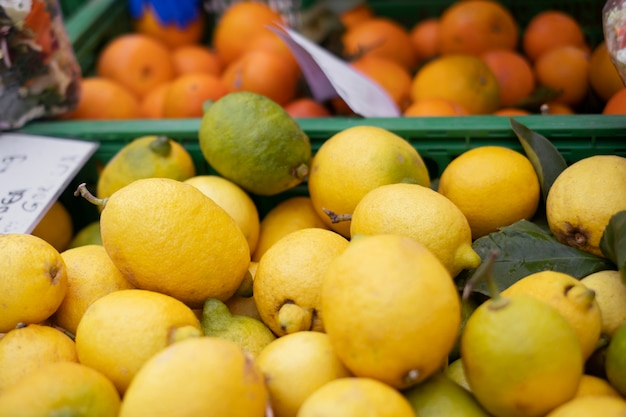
column 613, row 242
column 545, row 157
column 525, row 248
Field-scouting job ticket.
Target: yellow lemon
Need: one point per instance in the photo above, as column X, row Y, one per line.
column 61, row 388
column 353, row 162
column 391, row 309
column 234, row 200
column 583, row 198
column 289, row 215
column 605, row 406
column 294, row 366
column 33, row 280
column 289, row 278
column 56, row 227
column 145, row 157
column 422, row 214
column 568, row 296
column 245, row 304
column 356, row 397
column 250, row 334
column 521, row 356
column 90, row 275
column 167, row 236
column 251, row 140
column 596, row 386
column 456, row 373
column 611, row 298
column 202, row 376
column 88, row 235
column 493, row 186
column 121, row 330
column 25, row 349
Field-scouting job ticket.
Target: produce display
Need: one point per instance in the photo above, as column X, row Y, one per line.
column 236, row 266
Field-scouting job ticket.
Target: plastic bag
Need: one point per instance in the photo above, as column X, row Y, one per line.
column 614, row 27
column 39, row 74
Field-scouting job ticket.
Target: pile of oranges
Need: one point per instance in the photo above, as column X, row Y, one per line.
column 474, row 58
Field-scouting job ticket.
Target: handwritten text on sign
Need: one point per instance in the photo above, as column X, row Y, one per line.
column 34, row 171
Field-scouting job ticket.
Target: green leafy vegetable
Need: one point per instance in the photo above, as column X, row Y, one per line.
column 525, row 248
column 545, row 157
column 613, row 242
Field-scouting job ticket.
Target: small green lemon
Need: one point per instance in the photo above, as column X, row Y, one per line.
column 615, row 362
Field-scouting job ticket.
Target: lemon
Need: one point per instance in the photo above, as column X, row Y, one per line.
column 355, row 397
column 251, row 140
column 61, row 389
column 353, row 162
column 440, row 396
column 33, row 280
column 596, row 386
column 455, row 372
column 294, row 366
column 88, row 235
column 583, row 198
column 605, row 406
column 493, row 186
column 289, row 277
column 250, row 334
column 203, row 376
column 521, row 356
column 391, row 309
column 289, row 215
column 611, row 298
column 25, row 349
column 234, row 200
column 167, row 236
column 422, row 214
column 615, row 360
column 145, row 157
column 245, row 305
column 90, row 275
column 56, row 227
column 571, row 298
column 121, row 330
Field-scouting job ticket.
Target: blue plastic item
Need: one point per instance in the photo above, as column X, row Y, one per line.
column 179, row 12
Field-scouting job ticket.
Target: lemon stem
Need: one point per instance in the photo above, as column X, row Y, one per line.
column 301, row 171
column 82, row 191
column 161, row 146
column 485, row 272
column 337, row 218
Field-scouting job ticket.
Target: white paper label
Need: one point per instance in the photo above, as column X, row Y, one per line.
column 329, row 76
column 34, row 171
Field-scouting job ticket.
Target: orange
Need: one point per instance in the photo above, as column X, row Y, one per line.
column 435, row 107
column 186, row 95
column 555, row 108
column 151, row 105
column 516, row 79
column 356, row 15
column 565, row 69
column 550, row 29
column 425, row 38
column 306, row 107
column 616, row 104
column 102, row 98
column 170, row 34
column 240, row 23
column 138, row 62
column 388, row 74
column 381, row 37
column 195, row 58
column 263, row 72
column 463, row 79
column 603, row 76
column 511, row 111
column 476, row 26
column 270, row 41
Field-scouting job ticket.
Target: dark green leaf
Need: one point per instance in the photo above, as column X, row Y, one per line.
column 525, row 248
column 545, row 157
column 613, row 242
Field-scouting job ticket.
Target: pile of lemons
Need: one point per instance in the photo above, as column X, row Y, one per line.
column 339, row 302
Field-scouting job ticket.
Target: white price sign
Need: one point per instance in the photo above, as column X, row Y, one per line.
column 34, row 171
